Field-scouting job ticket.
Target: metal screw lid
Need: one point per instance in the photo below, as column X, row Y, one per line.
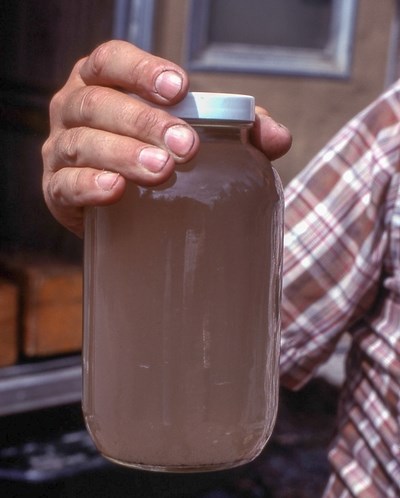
column 215, row 107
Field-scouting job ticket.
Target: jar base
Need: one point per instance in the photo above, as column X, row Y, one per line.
column 180, row 469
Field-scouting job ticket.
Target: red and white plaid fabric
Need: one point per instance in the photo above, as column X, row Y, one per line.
column 342, row 273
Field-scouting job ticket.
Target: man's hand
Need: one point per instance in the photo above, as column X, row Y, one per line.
column 101, row 137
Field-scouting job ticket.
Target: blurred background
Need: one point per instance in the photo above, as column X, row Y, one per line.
column 312, row 63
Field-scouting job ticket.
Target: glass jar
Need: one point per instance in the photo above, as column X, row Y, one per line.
column 182, row 296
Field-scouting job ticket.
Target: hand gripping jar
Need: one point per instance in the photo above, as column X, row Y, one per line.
column 182, row 295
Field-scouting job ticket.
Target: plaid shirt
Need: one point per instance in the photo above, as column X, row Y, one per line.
column 342, row 273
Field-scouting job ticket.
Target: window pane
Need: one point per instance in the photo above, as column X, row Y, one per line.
column 283, row 23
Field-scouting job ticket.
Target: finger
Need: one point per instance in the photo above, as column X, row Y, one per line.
column 67, row 191
column 120, row 64
column 271, row 137
column 87, row 147
column 107, row 109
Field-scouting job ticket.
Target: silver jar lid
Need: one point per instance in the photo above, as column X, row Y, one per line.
column 215, row 107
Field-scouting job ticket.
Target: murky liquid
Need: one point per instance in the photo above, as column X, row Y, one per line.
column 182, row 317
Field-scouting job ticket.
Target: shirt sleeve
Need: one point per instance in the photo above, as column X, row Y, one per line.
column 335, row 240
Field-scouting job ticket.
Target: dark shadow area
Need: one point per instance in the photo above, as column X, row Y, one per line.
column 48, row 454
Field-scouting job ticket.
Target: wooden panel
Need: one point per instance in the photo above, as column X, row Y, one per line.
column 51, row 304
column 8, row 323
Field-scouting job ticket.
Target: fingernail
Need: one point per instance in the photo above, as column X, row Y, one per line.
column 107, row 180
column 179, row 139
column 168, row 84
column 153, row 159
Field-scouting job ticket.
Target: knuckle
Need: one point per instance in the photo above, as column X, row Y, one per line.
column 62, row 188
column 99, row 57
column 46, row 147
column 59, row 197
column 91, row 99
column 51, row 190
column 76, row 183
column 62, row 149
column 46, row 189
column 68, row 146
column 56, row 104
column 55, row 101
column 146, row 120
column 137, row 71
